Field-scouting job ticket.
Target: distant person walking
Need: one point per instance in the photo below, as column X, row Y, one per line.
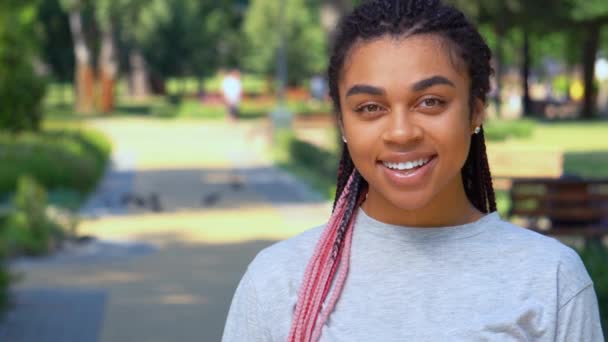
column 232, row 91
column 317, row 88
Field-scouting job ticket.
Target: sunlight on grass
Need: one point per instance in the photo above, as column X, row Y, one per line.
column 565, row 136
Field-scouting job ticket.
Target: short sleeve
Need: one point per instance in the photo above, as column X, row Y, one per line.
column 579, row 319
column 244, row 323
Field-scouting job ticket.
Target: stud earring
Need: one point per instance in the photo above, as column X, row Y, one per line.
column 477, row 130
column 344, row 139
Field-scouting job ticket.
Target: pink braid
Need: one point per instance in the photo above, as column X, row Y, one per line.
column 315, row 263
column 344, row 258
column 321, row 271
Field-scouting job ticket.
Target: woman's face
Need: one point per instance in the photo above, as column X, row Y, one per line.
column 407, row 121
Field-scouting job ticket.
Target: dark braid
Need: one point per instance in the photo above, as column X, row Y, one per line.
column 356, row 188
column 345, row 168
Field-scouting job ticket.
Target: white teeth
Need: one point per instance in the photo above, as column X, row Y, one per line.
column 407, row 165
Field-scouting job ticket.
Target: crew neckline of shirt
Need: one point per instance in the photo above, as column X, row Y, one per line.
column 370, row 226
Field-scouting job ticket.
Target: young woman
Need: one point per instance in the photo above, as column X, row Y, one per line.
column 414, row 249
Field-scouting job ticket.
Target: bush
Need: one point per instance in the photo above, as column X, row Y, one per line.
column 312, row 164
column 68, row 159
column 21, row 91
column 5, row 276
column 21, row 94
column 501, row 130
column 4, row 286
column 28, row 228
column 595, row 258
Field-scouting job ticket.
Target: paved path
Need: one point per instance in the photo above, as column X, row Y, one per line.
column 182, row 210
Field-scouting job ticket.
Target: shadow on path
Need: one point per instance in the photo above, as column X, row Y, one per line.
column 180, row 293
column 172, row 191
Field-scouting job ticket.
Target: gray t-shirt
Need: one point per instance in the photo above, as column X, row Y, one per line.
column 484, row 281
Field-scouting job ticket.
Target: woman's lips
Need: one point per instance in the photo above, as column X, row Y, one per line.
column 409, row 178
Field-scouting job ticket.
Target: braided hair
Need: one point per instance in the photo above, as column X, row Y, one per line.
column 371, row 20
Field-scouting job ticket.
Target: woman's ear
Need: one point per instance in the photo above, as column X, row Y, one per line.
column 340, row 127
column 479, row 114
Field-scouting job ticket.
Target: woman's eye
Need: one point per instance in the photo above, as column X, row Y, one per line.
column 368, row 108
column 432, row 102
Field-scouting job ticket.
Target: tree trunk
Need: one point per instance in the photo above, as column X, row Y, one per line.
column 525, row 75
column 140, row 80
column 84, row 77
column 108, row 68
column 591, row 45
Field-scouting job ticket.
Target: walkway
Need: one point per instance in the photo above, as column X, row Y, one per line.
column 182, row 210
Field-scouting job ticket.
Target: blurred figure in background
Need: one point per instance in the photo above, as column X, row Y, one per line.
column 317, row 90
column 232, row 91
column 317, row 87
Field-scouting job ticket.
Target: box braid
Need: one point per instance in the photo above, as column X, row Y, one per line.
column 372, row 20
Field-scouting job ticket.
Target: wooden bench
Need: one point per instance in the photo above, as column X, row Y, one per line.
column 561, row 206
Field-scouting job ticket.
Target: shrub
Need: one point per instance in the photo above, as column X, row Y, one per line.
column 29, row 230
column 312, row 164
column 5, row 277
column 21, row 90
column 72, row 159
column 595, row 258
column 21, row 94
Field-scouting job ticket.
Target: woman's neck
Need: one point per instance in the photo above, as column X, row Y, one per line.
column 449, row 208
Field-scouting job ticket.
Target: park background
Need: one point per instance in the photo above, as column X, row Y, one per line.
column 129, row 204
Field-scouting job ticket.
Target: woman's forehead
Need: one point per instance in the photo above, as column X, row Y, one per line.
column 402, row 60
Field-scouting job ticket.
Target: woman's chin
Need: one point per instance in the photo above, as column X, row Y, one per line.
column 409, row 202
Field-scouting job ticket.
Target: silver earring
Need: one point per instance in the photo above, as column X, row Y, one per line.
column 477, row 130
column 344, row 139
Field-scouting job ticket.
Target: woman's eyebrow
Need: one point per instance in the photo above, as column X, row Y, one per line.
column 364, row 89
column 418, row 86
column 431, row 81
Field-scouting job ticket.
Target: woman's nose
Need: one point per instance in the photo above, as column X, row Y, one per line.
column 401, row 129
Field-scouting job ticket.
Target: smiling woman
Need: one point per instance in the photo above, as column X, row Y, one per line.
column 414, row 249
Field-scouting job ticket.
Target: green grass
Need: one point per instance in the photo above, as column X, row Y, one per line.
column 500, row 130
column 572, row 136
column 252, row 84
column 587, row 164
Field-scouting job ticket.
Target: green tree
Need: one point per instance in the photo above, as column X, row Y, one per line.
column 21, row 90
column 56, row 41
column 306, row 40
column 139, row 21
column 203, row 36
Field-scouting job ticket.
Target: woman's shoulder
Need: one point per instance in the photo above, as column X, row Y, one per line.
column 533, row 242
column 543, row 254
column 284, row 259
